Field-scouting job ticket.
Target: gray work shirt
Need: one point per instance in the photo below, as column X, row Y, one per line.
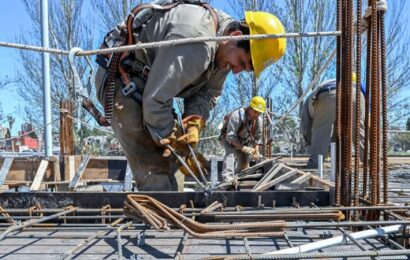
column 239, row 129
column 187, row 71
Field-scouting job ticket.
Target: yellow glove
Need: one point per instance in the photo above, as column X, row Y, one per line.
column 257, row 154
column 172, row 141
column 193, row 126
column 248, row 150
column 204, row 164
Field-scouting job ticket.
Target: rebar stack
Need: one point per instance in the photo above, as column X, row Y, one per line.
column 347, row 188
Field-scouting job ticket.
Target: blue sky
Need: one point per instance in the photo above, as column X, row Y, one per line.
column 14, row 20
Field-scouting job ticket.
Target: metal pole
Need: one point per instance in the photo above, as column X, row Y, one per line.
column 320, row 165
column 332, row 162
column 46, row 79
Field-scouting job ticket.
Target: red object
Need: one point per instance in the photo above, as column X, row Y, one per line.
column 31, row 143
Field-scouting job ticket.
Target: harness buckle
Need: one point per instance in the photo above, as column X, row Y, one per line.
column 129, row 89
column 145, row 71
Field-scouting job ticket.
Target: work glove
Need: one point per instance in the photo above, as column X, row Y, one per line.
column 248, row 150
column 257, row 154
column 193, row 126
column 204, row 164
column 171, row 140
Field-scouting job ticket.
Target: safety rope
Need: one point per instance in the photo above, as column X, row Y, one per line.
column 29, row 132
column 169, row 43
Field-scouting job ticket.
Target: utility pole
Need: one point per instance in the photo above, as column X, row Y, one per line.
column 46, row 79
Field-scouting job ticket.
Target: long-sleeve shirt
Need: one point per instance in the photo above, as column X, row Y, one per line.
column 187, row 71
column 239, row 129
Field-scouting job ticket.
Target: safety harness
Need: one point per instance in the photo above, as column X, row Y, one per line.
column 242, row 119
column 123, row 65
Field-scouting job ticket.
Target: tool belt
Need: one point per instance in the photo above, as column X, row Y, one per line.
column 124, row 65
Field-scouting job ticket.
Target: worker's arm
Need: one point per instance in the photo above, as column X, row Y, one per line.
column 233, row 125
column 205, row 99
column 258, row 131
column 174, row 69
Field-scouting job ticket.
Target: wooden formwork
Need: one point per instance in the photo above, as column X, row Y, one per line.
column 91, row 173
column 61, row 173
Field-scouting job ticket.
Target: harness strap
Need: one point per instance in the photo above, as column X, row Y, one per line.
column 115, row 62
column 88, row 105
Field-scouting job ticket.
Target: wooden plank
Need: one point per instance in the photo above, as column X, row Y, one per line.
column 269, row 175
column 38, row 178
column 69, row 167
column 257, row 166
column 277, row 180
column 74, row 182
column 128, row 179
column 5, row 168
column 302, row 178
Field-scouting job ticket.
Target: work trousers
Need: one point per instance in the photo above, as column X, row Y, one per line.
column 234, row 161
column 151, row 171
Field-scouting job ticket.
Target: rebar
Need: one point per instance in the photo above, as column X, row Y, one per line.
column 338, row 102
column 342, row 254
column 36, row 221
column 384, row 109
column 160, row 216
column 358, row 106
column 367, row 114
column 374, row 127
column 346, row 102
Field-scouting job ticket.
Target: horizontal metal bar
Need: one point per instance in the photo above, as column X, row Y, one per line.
column 372, row 253
column 171, row 199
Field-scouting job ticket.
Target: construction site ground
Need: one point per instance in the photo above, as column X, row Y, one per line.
column 58, row 244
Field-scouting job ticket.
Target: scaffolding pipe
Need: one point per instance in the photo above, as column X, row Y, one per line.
column 338, row 240
column 46, row 79
column 332, row 162
column 320, row 165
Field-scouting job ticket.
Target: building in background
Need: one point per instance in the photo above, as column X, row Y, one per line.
column 4, row 134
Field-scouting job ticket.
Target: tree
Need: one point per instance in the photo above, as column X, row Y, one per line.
column 11, row 120
column 67, row 29
column 1, row 114
column 398, row 63
column 112, row 12
column 408, row 124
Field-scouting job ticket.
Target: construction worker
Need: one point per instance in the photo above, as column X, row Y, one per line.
column 319, row 116
column 143, row 118
column 241, row 136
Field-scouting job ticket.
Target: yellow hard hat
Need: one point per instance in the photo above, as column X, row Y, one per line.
column 267, row 51
column 354, row 77
column 258, row 104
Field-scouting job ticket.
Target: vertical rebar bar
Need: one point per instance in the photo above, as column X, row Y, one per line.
column 374, row 145
column 384, row 110
column 367, row 114
column 347, row 111
column 338, row 95
column 358, row 106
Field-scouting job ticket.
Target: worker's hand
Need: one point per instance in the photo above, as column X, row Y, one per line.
column 257, row 154
column 169, row 140
column 204, row 164
column 193, row 126
column 248, row 150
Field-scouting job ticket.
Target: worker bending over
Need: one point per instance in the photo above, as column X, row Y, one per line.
column 241, row 137
column 319, row 117
column 147, row 80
